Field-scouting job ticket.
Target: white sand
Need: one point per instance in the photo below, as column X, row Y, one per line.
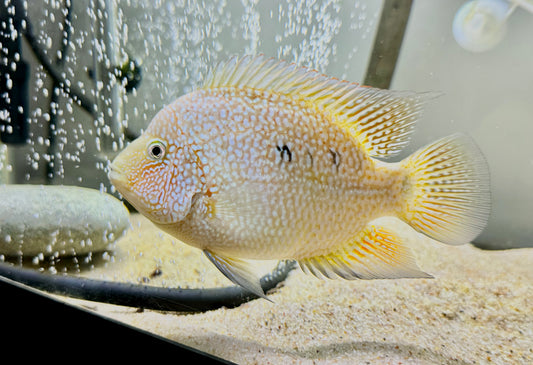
column 478, row 309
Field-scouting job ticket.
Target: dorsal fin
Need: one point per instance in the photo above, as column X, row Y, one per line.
column 381, row 120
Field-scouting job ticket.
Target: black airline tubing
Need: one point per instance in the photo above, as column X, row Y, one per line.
column 143, row 296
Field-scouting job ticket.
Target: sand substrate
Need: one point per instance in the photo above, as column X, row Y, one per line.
column 477, row 309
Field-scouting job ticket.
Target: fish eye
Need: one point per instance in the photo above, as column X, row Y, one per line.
column 156, row 150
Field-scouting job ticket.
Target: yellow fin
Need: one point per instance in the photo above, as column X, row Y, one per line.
column 238, row 271
column 381, row 120
column 448, row 193
column 377, row 253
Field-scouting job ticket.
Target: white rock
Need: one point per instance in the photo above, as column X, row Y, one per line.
column 58, row 220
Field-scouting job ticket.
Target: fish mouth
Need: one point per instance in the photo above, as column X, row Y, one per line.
column 116, row 176
column 120, row 182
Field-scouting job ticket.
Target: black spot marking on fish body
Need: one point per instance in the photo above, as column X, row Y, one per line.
column 336, row 158
column 310, row 158
column 285, row 153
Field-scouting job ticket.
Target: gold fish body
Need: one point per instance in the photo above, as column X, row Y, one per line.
column 274, row 161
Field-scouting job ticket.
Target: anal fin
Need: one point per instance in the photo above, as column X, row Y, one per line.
column 376, row 253
column 238, row 271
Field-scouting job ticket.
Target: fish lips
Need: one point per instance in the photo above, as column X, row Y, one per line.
column 118, row 178
column 122, row 184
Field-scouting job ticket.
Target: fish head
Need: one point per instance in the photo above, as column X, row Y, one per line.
column 159, row 173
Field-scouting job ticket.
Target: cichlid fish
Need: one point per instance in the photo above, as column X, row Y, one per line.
column 269, row 160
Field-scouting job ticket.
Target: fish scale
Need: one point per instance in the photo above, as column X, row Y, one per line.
column 275, row 178
column 274, row 161
column 329, row 190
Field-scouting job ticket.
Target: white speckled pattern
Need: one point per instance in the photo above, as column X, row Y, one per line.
column 274, row 161
column 285, row 179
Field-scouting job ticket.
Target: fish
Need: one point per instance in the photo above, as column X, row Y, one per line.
column 269, row 160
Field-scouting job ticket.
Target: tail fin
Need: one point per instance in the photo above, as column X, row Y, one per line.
column 448, row 195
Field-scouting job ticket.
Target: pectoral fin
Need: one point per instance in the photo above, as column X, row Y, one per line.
column 238, row 271
column 377, row 253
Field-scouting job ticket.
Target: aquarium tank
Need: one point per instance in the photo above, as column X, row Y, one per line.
column 254, row 265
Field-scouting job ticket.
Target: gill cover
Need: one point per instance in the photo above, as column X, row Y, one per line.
column 182, row 178
column 159, row 178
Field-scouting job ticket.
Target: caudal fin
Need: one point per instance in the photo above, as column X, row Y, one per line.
column 447, row 197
